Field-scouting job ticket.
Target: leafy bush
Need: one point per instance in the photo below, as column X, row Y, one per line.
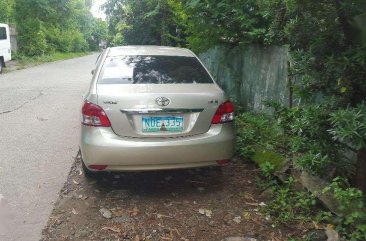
column 32, row 38
column 289, row 206
column 351, row 223
column 66, row 40
column 349, row 126
column 312, row 146
column 314, row 137
column 255, row 130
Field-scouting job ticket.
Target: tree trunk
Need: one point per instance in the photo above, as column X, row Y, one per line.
column 361, row 170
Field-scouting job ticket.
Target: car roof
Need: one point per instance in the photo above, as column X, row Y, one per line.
column 149, row 50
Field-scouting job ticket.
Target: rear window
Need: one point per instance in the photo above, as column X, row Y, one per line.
column 2, row 33
column 153, row 70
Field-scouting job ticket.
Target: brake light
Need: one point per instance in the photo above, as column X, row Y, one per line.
column 223, row 162
column 98, row 167
column 94, row 115
column 225, row 113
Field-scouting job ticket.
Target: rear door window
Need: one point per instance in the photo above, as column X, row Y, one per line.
column 3, row 33
column 153, row 70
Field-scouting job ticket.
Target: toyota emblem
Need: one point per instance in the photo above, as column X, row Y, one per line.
column 162, row 101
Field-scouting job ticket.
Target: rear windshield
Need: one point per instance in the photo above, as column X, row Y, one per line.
column 2, row 33
column 153, row 70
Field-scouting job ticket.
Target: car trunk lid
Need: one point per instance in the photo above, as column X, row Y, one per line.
column 159, row 110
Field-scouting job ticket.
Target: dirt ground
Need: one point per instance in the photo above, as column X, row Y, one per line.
column 16, row 65
column 200, row 204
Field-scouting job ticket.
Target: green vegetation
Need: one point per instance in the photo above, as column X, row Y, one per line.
column 151, row 22
column 290, row 206
column 48, row 27
column 23, row 61
column 35, row 60
column 324, row 134
column 311, row 149
column 321, row 131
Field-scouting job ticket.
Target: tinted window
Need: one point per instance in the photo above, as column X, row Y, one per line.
column 2, row 33
column 153, row 70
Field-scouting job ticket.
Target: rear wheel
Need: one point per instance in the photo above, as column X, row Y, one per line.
column 1, row 65
column 86, row 171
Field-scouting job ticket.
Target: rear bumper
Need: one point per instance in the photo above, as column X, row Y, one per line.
column 101, row 146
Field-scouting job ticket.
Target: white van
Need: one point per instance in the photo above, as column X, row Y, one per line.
column 5, row 48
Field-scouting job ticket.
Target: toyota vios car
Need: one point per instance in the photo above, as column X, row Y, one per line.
column 153, row 108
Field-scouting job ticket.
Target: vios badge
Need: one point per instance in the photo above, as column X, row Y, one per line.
column 162, row 101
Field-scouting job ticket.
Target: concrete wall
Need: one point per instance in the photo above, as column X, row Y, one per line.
column 250, row 74
column 13, row 38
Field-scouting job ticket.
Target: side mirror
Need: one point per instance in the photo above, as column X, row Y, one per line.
column 93, row 71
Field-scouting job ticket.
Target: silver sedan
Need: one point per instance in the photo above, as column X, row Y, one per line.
column 154, row 108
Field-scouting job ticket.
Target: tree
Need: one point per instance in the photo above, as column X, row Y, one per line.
column 146, row 22
column 7, row 11
column 215, row 22
column 56, row 25
column 349, row 127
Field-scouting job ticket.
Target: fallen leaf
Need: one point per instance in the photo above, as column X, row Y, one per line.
column 262, row 204
column 246, row 215
column 135, row 211
column 158, row 215
column 316, row 226
column 106, row 213
column 73, row 180
column 252, row 204
column 237, row 219
column 331, row 233
column 176, row 230
column 113, row 229
column 118, row 212
column 206, row 212
column 276, row 239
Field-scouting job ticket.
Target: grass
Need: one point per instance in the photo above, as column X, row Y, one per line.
column 22, row 62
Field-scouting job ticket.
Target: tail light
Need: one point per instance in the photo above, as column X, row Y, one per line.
column 98, row 167
column 223, row 162
column 225, row 113
column 94, row 115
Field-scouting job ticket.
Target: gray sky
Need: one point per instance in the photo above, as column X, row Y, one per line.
column 96, row 9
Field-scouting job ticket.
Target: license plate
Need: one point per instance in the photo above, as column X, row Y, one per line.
column 162, row 123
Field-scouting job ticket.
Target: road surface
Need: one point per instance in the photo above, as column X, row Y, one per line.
column 39, row 132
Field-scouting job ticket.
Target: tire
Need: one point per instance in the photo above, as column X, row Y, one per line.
column 86, row 171
column 1, row 65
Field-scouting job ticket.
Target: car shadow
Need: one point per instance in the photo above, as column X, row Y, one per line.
column 159, row 183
